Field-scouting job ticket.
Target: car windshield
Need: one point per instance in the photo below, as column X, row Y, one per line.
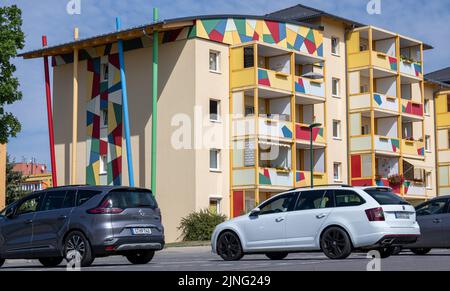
column 386, row 197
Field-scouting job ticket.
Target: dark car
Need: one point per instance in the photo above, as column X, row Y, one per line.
column 434, row 220
column 82, row 221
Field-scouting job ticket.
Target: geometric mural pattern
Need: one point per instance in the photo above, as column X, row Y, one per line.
column 104, row 96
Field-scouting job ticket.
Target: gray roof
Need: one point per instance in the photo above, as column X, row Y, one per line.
column 442, row 76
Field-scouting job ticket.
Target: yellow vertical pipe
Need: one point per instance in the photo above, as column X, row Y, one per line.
column 256, row 105
column 293, row 117
column 399, row 119
column 73, row 180
column 372, row 112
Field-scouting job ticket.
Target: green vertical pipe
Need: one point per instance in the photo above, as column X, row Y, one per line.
column 154, row 101
column 311, row 157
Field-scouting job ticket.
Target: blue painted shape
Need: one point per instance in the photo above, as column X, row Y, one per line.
column 299, row 42
column 287, row 133
column 378, row 99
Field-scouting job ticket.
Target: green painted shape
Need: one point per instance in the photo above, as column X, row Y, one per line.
column 263, row 180
column 95, row 146
column 110, row 174
column 396, row 143
column 210, row 24
column 90, row 176
column 268, row 38
column 310, row 36
column 103, row 87
column 192, row 32
column 118, row 112
column 321, row 132
column 403, row 108
column 241, row 26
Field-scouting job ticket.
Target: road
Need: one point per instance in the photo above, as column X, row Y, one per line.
column 201, row 259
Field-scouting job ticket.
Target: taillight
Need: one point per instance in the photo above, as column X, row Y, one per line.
column 105, row 208
column 375, row 214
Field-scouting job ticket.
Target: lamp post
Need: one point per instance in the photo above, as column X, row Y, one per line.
column 311, row 148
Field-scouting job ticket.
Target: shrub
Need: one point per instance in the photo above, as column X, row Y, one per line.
column 198, row 226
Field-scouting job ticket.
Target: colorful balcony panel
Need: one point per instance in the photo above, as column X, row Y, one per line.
column 274, row 177
column 276, row 80
column 309, row 87
column 387, row 144
column 414, row 188
column 303, row 179
column 302, row 132
column 412, row 108
column 384, row 102
column 411, row 68
column 385, row 183
column 384, row 61
column 241, row 30
column 275, row 128
column 414, row 148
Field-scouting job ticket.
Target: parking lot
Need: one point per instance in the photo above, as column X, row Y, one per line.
column 201, row 259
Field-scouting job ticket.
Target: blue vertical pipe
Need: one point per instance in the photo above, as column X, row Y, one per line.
column 126, row 120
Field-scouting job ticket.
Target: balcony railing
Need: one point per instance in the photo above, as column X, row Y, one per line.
column 276, row 177
column 413, row 188
column 444, row 156
column 413, row 148
column 411, row 68
column 381, row 144
column 310, row 87
column 303, row 133
column 412, row 108
column 380, row 101
column 243, row 78
column 303, row 179
column 379, row 59
column 275, row 80
column 268, row 128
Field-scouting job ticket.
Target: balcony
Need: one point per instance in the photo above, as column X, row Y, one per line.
column 380, row 101
column 268, row 128
column 411, row 68
column 243, row 78
column 414, row 148
column 380, row 60
column 274, row 79
column 303, row 179
column 310, row 88
column 412, row 108
column 276, row 177
column 303, row 134
column 382, row 144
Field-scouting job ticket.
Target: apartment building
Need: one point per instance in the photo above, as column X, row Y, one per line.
column 238, row 96
column 36, row 176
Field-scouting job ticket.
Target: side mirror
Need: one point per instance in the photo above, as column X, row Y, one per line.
column 255, row 212
column 9, row 212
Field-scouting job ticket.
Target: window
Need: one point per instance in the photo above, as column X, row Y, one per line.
column 346, row 198
column 29, row 206
column 214, row 158
column 428, row 181
column 103, row 165
column 365, row 130
column 53, row 200
column 214, row 110
column 278, row 205
column 214, row 61
column 428, row 143
column 214, row 205
column 386, row 197
column 319, row 199
column 426, row 107
column 105, row 72
column 337, row 169
column 84, row 196
column 335, row 87
column 70, row 199
column 104, row 118
column 336, row 129
column 249, row 57
column 131, row 199
column 432, row 208
column 335, row 46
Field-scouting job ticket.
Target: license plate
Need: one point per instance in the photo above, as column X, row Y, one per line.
column 401, row 215
column 141, row 231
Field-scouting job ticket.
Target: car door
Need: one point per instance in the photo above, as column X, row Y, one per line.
column 17, row 230
column 430, row 217
column 446, row 225
column 267, row 229
column 51, row 222
column 310, row 213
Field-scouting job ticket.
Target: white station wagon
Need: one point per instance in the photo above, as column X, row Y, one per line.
column 334, row 219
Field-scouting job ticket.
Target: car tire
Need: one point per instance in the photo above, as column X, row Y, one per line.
column 77, row 241
column 277, row 256
column 421, row 252
column 397, row 251
column 140, row 257
column 336, row 243
column 2, row 262
column 386, row 252
column 229, row 247
column 51, row 262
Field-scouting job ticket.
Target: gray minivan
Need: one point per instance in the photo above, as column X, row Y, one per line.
column 82, row 221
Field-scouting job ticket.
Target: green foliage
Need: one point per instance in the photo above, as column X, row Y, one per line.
column 14, row 182
column 12, row 39
column 198, row 226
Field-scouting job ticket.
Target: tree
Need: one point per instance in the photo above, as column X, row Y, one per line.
column 14, row 182
column 12, row 39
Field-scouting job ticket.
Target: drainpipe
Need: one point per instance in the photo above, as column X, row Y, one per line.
column 154, row 100
column 347, row 88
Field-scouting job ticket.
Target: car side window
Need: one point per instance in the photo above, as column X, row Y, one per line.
column 317, row 199
column 84, row 196
column 278, row 205
column 70, row 199
column 347, row 198
column 53, row 200
column 29, row 205
column 432, row 208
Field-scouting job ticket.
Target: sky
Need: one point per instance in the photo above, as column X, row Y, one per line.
column 424, row 20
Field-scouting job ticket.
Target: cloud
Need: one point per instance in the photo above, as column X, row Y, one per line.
column 424, row 20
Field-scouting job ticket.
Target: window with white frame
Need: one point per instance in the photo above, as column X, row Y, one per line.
column 335, row 46
column 214, row 160
column 428, row 181
column 214, row 110
column 337, row 172
column 214, row 205
column 214, row 61
column 335, row 87
column 428, row 143
column 336, row 129
column 103, row 165
column 426, row 107
column 104, row 118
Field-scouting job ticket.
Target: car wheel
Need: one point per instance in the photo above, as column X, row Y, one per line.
column 277, row 256
column 420, row 252
column 2, row 261
column 140, row 257
column 386, row 252
column 75, row 245
column 336, row 244
column 229, row 247
column 397, row 251
column 50, row 262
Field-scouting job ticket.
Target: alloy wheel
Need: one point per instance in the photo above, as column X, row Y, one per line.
column 76, row 244
column 229, row 247
column 336, row 244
